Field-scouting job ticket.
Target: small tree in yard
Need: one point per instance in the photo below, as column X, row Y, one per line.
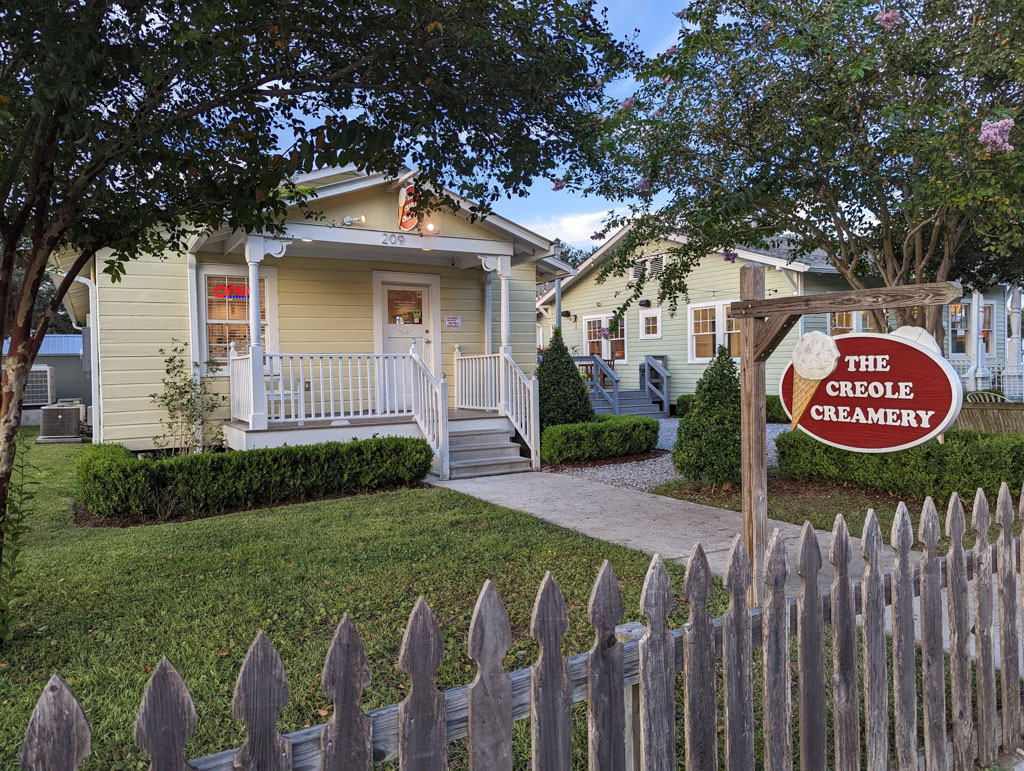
column 155, row 123
column 707, row 447
column 190, row 404
column 563, row 394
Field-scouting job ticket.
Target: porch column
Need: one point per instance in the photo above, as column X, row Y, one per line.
column 978, row 376
column 256, row 248
column 1013, row 382
column 502, row 265
column 488, row 314
column 558, row 303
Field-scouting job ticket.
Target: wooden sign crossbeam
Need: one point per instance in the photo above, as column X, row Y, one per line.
column 764, row 323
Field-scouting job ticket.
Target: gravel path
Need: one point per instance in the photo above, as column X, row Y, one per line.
column 645, row 474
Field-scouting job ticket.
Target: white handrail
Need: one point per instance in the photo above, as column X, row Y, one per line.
column 240, row 379
column 522, row 404
column 476, row 381
column 430, row 408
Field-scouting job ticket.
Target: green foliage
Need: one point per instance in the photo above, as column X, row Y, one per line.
column 12, row 528
column 563, row 393
column 190, row 404
column 607, row 436
column 774, row 413
column 707, row 447
column 968, row 460
column 813, row 125
column 113, row 483
column 773, row 408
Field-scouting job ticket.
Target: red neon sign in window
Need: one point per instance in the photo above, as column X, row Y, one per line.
column 230, row 290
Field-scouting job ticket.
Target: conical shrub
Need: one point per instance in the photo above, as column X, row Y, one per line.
column 707, row 447
column 563, row 394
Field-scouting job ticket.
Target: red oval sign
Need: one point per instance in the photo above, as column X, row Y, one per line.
column 887, row 393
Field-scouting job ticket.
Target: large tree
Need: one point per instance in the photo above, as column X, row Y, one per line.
column 888, row 135
column 134, row 126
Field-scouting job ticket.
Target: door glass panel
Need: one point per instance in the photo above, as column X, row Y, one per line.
column 617, row 341
column 704, row 333
column 594, row 337
column 405, row 306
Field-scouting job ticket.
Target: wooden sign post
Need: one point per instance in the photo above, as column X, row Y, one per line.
column 763, row 325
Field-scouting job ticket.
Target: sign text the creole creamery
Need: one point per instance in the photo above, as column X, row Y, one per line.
column 884, row 393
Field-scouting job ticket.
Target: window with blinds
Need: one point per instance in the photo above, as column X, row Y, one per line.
column 227, row 314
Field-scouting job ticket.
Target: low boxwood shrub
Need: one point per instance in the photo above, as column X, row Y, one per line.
column 968, row 460
column 773, row 408
column 114, row 483
column 607, row 436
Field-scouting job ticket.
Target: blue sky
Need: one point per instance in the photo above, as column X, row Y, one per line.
column 573, row 217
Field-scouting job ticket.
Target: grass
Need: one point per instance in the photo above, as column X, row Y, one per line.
column 795, row 502
column 101, row 605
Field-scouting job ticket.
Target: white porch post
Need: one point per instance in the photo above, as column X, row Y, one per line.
column 488, row 314
column 978, row 375
column 558, row 303
column 1013, row 382
column 502, row 265
column 256, row 248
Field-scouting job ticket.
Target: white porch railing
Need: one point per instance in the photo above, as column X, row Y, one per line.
column 520, row 398
column 240, row 379
column 476, row 381
column 430, row 408
column 303, row 387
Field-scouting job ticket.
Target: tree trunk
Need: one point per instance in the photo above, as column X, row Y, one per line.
column 16, row 369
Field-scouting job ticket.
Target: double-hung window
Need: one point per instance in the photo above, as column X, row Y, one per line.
column 600, row 340
column 650, row 323
column 845, row 322
column 224, row 310
column 711, row 326
column 960, row 329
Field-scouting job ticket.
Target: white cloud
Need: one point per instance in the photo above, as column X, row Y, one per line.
column 574, row 229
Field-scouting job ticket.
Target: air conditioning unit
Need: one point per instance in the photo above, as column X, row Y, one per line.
column 40, row 389
column 60, row 423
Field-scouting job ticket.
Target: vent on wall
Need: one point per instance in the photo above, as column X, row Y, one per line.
column 655, row 264
column 40, row 388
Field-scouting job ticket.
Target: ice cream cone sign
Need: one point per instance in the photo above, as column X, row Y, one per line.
column 815, row 357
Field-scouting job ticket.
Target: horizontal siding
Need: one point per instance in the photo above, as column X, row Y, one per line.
column 712, row 280
column 143, row 312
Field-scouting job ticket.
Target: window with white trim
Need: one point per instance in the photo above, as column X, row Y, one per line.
column 960, row 329
column 845, row 322
column 600, row 340
column 650, row 323
column 654, row 263
column 710, row 327
column 224, row 310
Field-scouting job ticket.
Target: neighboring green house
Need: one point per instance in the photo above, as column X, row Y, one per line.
column 983, row 349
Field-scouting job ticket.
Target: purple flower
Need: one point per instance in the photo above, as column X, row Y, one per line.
column 995, row 135
column 656, row 114
column 667, row 80
column 628, row 102
column 643, row 185
column 680, row 14
column 730, row 256
column 558, row 185
column 597, row 235
column 596, row 83
column 889, row 19
column 602, row 118
column 672, row 51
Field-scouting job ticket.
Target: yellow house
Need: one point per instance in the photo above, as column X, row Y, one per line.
column 360, row 322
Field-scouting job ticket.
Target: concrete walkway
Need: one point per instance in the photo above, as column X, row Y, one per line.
column 654, row 524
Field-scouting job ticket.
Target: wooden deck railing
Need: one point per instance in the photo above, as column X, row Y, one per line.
column 601, row 378
column 418, row 730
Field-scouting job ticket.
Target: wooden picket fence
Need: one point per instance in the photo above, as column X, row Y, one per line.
column 419, row 729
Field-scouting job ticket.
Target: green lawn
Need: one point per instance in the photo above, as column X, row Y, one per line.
column 101, row 605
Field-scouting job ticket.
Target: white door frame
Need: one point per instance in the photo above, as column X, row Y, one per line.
column 433, row 283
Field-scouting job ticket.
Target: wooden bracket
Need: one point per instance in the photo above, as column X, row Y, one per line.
column 771, row 333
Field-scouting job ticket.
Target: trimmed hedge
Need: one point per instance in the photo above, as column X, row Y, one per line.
column 113, row 482
column 773, row 408
column 607, row 436
column 968, row 460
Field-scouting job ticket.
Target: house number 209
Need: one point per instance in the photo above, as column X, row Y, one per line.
column 394, row 239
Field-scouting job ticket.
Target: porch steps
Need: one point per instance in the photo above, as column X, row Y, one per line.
column 630, row 403
column 482, row 452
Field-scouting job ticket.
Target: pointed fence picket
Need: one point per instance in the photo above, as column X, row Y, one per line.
column 418, row 731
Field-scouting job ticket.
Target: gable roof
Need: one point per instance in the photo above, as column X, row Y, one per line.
column 780, row 256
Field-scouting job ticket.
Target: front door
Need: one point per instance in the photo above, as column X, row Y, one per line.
column 407, row 320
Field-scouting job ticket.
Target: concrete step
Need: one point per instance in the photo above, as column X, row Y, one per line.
column 487, row 466
column 504, row 449
column 478, row 437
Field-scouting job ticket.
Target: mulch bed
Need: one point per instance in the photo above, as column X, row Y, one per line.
column 608, row 461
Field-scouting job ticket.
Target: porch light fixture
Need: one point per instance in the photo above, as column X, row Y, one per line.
column 307, row 240
column 566, row 314
column 644, row 303
column 427, row 250
column 360, row 220
column 431, row 229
